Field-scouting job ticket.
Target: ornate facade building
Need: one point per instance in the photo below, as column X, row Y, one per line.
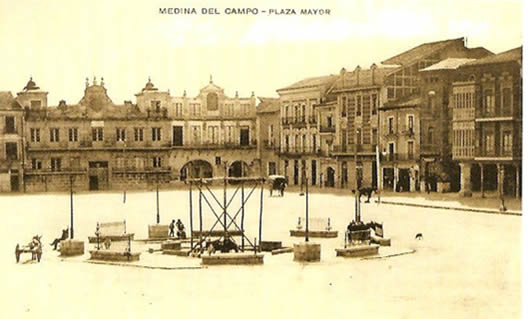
column 98, row 145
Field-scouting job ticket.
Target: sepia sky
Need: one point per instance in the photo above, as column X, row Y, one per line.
column 60, row 43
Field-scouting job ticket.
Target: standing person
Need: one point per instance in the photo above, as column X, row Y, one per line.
column 171, row 228
column 181, row 229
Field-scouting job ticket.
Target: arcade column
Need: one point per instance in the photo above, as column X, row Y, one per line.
column 465, row 180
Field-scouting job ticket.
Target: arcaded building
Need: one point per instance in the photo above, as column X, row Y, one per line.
column 96, row 144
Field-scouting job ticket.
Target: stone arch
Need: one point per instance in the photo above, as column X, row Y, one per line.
column 238, row 169
column 196, row 169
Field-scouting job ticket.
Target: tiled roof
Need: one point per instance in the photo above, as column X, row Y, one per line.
column 507, row 56
column 268, row 105
column 324, row 81
column 420, row 52
column 447, row 64
column 349, row 80
column 8, row 102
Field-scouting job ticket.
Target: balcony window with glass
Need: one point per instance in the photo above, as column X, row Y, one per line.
column 54, row 135
column 35, row 134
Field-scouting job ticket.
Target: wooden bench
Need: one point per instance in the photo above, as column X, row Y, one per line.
column 114, row 251
column 115, row 231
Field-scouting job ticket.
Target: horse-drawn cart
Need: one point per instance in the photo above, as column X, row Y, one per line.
column 34, row 247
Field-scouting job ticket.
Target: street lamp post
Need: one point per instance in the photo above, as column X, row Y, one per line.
column 71, row 206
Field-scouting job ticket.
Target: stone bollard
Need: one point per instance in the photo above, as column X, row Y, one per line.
column 71, row 247
column 307, row 252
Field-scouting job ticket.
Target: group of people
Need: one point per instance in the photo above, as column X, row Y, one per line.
column 180, row 234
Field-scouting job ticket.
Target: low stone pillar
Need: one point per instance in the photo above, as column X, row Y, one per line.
column 71, row 247
column 307, row 252
column 158, row 231
column 465, row 180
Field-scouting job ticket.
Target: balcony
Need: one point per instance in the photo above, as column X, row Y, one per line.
column 464, row 114
column 496, row 114
column 393, row 157
column 327, row 129
column 408, row 133
column 292, row 120
column 429, row 149
column 467, row 152
column 514, row 152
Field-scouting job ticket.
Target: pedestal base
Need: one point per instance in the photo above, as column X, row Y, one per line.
column 358, row 251
column 71, row 247
column 172, row 245
column 307, row 252
column 314, row 233
column 158, row 231
column 233, row 259
column 106, row 255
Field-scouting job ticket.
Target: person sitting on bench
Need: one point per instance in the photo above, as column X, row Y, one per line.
column 58, row 240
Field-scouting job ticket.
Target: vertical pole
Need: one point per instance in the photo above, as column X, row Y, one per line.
column 482, row 180
column 71, row 207
column 200, row 210
column 378, row 168
column 261, row 211
column 306, row 235
column 243, row 214
column 190, row 212
column 157, row 200
column 225, row 202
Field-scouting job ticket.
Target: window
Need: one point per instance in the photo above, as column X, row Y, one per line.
column 179, row 109
column 430, row 135
column 54, row 135
column 431, row 103
column 156, row 133
column 303, row 142
column 138, row 134
column 410, row 149
column 35, row 134
column 156, row 106
column 75, row 162
column 489, row 101
column 358, row 137
column 230, row 109
column 11, row 151
column 244, row 135
column 410, row 123
column 374, row 136
column 374, row 104
column 36, row 164
column 97, row 134
column 270, row 133
column 391, row 125
column 329, row 121
column 10, row 125
column 195, row 109
column 230, row 134
column 314, row 142
column 489, row 143
column 55, row 164
column 507, row 101
column 344, row 106
column 358, row 105
column 287, row 143
column 507, row 142
column 213, row 134
column 177, row 135
column 120, row 134
column 73, row 135
column 272, row 170
column 196, row 134
column 156, row 161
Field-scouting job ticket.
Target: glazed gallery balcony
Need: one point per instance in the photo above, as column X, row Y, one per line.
column 299, row 120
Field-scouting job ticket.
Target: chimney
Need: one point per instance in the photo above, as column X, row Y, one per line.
column 62, row 103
